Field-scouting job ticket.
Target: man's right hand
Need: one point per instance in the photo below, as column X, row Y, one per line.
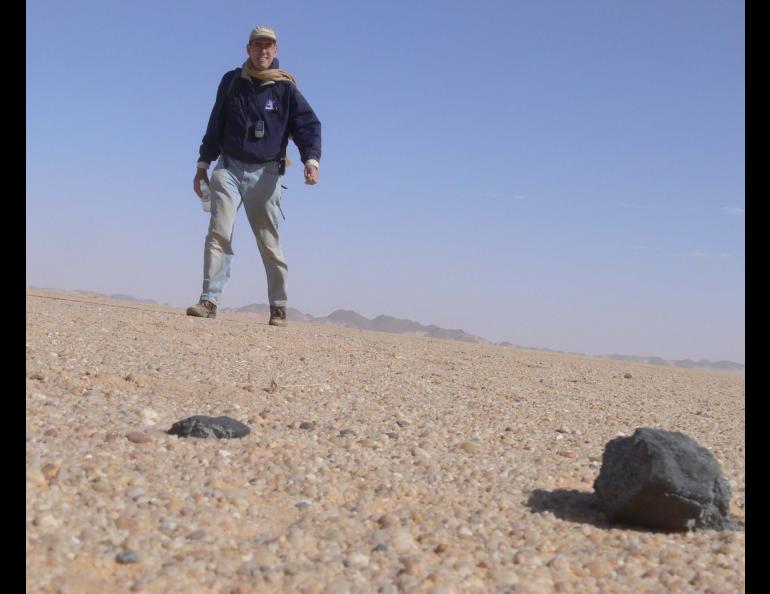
column 200, row 174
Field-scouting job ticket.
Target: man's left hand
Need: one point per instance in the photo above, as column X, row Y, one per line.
column 311, row 175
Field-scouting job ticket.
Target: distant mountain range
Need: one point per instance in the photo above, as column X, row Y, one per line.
column 351, row 319
column 130, row 298
column 686, row 363
column 118, row 296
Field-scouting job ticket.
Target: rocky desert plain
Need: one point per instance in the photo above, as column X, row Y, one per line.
column 375, row 463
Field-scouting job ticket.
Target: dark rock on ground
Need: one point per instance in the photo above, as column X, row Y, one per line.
column 663, row 480
column 203, row 426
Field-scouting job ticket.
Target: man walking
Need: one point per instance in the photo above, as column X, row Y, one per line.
column 258, row 106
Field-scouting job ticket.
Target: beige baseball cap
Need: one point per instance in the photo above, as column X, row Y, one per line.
column 262, row 32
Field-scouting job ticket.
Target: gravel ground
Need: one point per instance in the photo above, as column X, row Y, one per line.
column 376, row 462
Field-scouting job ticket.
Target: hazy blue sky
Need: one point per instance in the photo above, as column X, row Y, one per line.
column 552, row 173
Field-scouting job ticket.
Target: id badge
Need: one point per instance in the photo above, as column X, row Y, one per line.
column 259, row 129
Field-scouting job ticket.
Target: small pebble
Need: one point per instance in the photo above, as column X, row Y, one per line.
column 48, row 522
column 196, row 535
column 404, row 542
column 357, row 560
column 411, row 566
column 125, row 557
column 504, row 577
column 51, row 470
column 530, row 587
column 388, row 520
column 149, row 416
column 138, row 437
column 126, row 522
column 36, row 476
column 598, row 568
column 264, row 558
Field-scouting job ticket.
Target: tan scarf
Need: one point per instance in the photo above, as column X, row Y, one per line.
column 274, row 74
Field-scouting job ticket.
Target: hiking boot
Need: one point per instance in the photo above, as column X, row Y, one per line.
column 277, row 315
column 204, row 309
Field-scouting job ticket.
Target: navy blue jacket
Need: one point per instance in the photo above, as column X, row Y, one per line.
column 279, row 105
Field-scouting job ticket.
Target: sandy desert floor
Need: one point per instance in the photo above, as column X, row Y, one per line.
column 376, row 462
